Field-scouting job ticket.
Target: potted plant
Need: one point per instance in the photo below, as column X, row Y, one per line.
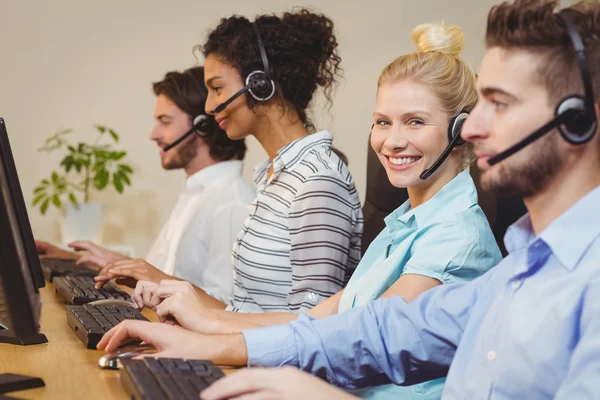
column 84, row 167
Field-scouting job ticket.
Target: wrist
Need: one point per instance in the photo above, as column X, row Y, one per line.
column 229, row 350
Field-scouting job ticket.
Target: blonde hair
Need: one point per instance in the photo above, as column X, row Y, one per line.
column 436, row 64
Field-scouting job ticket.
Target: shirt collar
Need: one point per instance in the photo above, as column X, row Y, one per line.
column 458, row 194
column 292, row 153
column 214, row 174
column 568, row 236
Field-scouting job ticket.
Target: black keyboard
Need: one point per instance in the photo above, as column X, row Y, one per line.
column 167, row 378
column 53, row 267
column 91, row 322
column 79, row 289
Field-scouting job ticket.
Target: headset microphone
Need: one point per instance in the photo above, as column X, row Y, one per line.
column 199, row 126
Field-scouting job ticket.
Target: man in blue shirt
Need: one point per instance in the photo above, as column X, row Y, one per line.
column 529, row 328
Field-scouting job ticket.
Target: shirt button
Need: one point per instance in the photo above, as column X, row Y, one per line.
column 491, row 355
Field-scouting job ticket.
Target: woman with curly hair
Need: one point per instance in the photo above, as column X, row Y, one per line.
column 301, row 240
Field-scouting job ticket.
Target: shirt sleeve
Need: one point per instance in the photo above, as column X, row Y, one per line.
column 323, row 222
column 453, row 252
column 581, row 381
column 221, row 231
column 388, row 340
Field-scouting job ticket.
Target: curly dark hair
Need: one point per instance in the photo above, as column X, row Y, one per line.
column 186, row 89
column 532, row 25
column 300, row 45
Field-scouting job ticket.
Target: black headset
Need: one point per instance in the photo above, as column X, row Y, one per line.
column 259, row 83
column 575, row 116
column 454, row 139
column 200, row 123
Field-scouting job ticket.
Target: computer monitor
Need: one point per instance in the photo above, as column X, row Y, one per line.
column 20, row 271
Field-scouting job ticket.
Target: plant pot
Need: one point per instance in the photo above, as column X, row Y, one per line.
column 82, row 222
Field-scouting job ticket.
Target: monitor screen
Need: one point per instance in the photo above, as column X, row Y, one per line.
column 20, row 270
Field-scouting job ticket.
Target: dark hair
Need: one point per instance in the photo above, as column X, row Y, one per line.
column 186, row 89
column 301, row 48
column 532, row 25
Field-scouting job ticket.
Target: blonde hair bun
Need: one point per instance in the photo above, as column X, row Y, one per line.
column 438, row 37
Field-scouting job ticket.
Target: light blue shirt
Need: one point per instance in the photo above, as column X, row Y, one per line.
column 528, row 329
column 447, row 238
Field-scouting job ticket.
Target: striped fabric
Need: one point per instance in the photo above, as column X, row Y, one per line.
column 301, row 240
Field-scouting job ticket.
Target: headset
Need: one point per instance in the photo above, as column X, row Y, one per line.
column 454, row 139
column 200, row 123
column 575, row 116
column 258, row 83
column 200, row 126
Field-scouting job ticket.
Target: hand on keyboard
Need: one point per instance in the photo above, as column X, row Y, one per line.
column 174, row 341
column 285, row 383
column 97, row 255
column 129, row 272
column 176, row 300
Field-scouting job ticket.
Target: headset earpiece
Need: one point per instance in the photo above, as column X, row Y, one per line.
column 260, row 86
column 579, row 127
column 455, row 126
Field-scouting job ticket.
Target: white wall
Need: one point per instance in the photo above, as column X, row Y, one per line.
column 73, row 63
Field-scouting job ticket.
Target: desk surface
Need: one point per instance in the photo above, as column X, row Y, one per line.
column 69, row 370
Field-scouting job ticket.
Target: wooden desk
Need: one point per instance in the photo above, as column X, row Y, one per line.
column 69, row 370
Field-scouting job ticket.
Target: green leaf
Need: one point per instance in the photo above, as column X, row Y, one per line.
column 125, row 168
column 100, row 128
column 44, row 206
column 118, row 183
column 101, row 179
column 68, row 162
column 81, row 148
column 56, row 201
column 45, row 182
column 39, row 198
column 71, row 149
column 39, row 189
column 73, row 199
column 117, row 155
column 78, row 165
column 114, row 135
column 55, row 178
column 125, row 178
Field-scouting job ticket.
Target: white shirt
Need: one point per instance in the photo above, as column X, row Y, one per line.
column 301, row 240
column 195, row 243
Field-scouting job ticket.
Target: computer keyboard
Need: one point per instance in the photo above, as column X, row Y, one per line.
column 79, row 289
column 53, row 267
column 91, row 322
column 167, row 378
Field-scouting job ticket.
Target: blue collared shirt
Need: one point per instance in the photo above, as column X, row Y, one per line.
column 528, row 329
column 447, row 238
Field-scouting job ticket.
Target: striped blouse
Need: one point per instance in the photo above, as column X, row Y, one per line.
column 301, row 240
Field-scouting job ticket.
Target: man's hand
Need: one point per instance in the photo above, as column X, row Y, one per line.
column 176, row 342
column 129, row 272
column 178, row 301
column 96, row 254
column 47, row 250
column 285, row 383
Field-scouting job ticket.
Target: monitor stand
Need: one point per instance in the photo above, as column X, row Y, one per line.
column 23, row 340
column 14, row 382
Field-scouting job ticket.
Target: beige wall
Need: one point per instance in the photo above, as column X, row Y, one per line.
column 73, row 63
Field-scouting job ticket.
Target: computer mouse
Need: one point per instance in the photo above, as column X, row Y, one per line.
column 111, row 360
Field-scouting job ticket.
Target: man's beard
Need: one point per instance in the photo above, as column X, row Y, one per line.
column 184, row 153
column 529, row 177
